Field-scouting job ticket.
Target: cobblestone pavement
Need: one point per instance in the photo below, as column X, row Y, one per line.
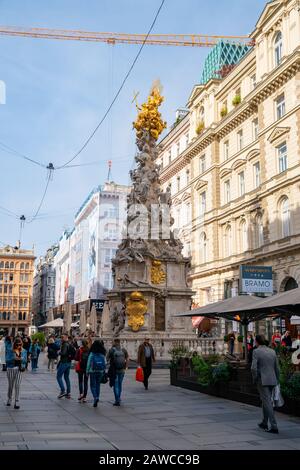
column 164, row 417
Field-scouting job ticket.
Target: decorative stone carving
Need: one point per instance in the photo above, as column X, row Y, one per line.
column 118, row 318
column 136, row 307
column 158, row 275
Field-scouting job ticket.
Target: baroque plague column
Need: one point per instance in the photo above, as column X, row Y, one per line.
column 150, row 272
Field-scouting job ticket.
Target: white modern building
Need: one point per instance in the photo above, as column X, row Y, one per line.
column 83, row 261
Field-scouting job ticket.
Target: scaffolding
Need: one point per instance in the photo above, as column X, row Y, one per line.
column 221, row 59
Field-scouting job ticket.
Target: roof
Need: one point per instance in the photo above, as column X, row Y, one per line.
column 239, row 303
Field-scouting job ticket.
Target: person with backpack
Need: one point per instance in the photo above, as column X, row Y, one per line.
column 96, row 366
column 118, row 363
column 34, row 351
column 67, row 354
column 81, row 359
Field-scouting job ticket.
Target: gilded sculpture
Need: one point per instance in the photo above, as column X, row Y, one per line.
column 136, row 307
column 158, row 275
column 149, row 118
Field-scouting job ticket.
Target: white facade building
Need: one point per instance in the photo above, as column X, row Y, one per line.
column 83, row 262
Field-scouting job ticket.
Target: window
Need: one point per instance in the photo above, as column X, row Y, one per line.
column 253, row 81
column 107, row 280
column 27, row 266
column 187, row 175
column 203, row 248
column 1, row 264
column 11, row 277
column 202, row 164
column 22, row 266
column 11, row 266
column 21, row 302
column 178, row 149
column 228, row 241
column 178, row 183
column 240, row 140
column 202, row 207
column 242, row 183
column 282, row 157
column 186, row 140
column 259, row 231
column 7, row 265
column 280, row 106
column 107, row 256
column 285, row 217
column 23, row 290
column 256, row 174
column 226, row 150
column 1, row 276
column 243, row 237
column 227, row 191
column 188, row 213
column 278, row 48
column 255, row 129
column 169, row 156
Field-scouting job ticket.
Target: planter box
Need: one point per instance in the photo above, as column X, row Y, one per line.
column 240, row 389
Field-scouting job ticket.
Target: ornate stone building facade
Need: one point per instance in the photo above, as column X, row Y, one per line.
column 233, row 163
column 16, row 278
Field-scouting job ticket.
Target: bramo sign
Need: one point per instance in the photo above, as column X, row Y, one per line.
column 256, row 280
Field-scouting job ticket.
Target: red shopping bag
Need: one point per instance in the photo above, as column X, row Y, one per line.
column 139, row 376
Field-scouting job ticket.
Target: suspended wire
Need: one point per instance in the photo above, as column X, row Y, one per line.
column 9, row 212
column 42, row 200
column 118, row 92
column 8, row 149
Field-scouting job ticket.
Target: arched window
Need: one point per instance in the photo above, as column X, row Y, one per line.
column 21, row 303
column 243, row 237
column 8, row 315
column 20, row 316
column 27, row 266
column 278, row 48
column 4, row 315
column 285, row 217
column 22, row 266
column 25, row 303
column 11, row 266
column 7, row 265
column 228, row 241
column 203, row 248
column 259, row 232
column 1, row 264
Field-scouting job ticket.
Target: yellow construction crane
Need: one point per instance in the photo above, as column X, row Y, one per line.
column 192, row 40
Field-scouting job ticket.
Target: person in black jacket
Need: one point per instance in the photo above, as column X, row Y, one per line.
column 64, row 367
column 52, row 354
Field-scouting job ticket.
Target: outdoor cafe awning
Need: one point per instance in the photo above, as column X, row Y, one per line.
column 57, row 323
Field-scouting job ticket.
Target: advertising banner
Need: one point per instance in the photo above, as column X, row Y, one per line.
column 256, row 280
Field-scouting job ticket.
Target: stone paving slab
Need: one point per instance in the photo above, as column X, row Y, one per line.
column 164, row 417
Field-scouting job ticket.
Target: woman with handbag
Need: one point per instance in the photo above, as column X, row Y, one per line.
column 81, row 359
column 16, row 364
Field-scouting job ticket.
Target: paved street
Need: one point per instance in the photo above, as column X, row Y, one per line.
column 165, row 417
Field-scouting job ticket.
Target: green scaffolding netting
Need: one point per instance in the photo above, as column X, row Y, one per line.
column 223, row 55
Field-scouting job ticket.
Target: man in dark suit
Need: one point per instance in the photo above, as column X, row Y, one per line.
column 265, row 373
column 145, row 359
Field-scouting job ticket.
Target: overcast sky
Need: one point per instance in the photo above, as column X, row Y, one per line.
column 57, row 91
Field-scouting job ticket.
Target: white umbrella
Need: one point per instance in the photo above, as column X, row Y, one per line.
column 57, row 323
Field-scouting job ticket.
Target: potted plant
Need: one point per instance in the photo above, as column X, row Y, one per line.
column 224, row 111
column 226, row 338
column 240, row 338
column 200, row 127
column 237, row 100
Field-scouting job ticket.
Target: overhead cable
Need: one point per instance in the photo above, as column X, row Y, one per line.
column 117, row 93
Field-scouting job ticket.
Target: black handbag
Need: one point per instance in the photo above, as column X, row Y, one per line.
column 104, row 379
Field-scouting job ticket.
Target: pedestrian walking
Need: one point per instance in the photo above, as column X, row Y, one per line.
column 34, row 354
column 250, row 345
column 96, row 366
column 52, row 354
column 231, row 337
column 2, row 352
column 145, row 359
column 26, row 346
column 16, row 362
column 82, row 355
column 265, row 373
column 67, row 354
column 286, row 340
column 118, row 362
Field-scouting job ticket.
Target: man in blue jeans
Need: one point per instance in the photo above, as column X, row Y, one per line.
column 118, row 360
column 63, row 368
